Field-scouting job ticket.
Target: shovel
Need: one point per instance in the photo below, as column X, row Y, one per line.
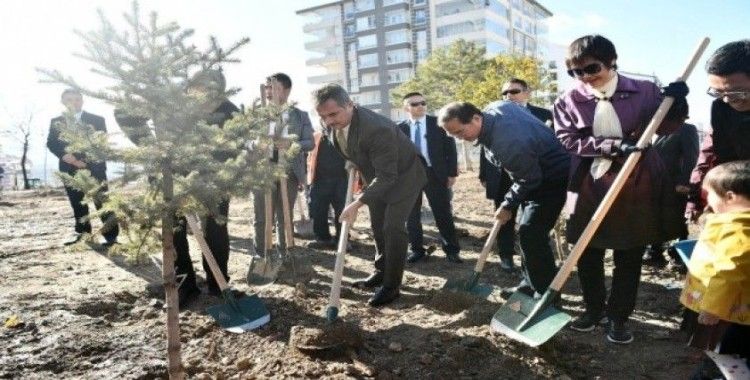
column 471, row 284
column 303, row 227
column 264, row 269
column 236, row 315
column 532, row 321
column 332, row 311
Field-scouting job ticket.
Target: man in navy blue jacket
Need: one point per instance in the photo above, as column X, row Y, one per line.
column 537, row 164
column 437, row 152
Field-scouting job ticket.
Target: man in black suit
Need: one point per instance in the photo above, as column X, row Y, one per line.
column 70, row 163
column 438, row 153
column 390, row 166
column 517, row 91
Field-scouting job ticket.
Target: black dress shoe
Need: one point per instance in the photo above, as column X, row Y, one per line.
column 375, row 279
column 74, row 239
column 415, row 256
column 453, row 258
column 383, row 296
column 187, row 294
column 106, row 243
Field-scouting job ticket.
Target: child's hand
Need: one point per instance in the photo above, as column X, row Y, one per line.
column 709, row 319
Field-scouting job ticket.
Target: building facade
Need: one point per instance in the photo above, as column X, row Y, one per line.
column 372, row 46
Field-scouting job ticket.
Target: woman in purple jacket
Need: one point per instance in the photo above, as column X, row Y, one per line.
column 599, row 122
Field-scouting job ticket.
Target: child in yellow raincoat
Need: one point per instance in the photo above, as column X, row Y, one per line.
column 718, row 282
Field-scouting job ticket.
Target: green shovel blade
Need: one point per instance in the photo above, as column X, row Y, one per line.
column 470, row 285
column 244, row 314
column 543, row 327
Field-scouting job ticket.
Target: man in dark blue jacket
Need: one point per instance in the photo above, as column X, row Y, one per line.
column 70, row 163
column 537, row 164
column 437, row 152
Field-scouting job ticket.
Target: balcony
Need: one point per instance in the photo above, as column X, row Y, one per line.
column 325, row 78
column 320, row 24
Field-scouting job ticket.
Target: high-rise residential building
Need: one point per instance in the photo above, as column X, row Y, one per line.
column 372, row 46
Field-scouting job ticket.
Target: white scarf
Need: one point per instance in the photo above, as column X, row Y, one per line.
column 606, row 123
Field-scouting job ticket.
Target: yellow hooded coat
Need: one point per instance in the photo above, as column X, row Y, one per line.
column 718, row 281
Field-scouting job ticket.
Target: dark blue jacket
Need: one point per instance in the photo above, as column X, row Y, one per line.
column 440, row 147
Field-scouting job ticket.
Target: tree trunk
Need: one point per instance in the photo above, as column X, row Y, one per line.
column 26, row 184
column 467, row 159
column 174, row 360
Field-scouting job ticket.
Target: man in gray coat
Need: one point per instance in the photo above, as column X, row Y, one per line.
column 538, row 165
column 277, row 89
column 395, row 176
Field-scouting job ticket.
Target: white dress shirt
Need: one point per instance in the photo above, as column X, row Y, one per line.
column 423, row 129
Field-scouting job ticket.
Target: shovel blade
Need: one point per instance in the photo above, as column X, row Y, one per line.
column 247, row 313
column 470, row 285
column 263, row 270
column 543, row 327
column 685, row 248
column 304, row 228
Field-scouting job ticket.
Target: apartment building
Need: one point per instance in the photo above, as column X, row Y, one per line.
column 371, row 46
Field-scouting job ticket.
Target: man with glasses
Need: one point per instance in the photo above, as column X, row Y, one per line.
column 536, row 162
column 517, row 91
column 438, row 153
column 729, row 80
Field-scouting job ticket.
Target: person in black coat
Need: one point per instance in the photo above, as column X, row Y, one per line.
column 679, row 151
column 215, row 233
column 497, row 182
column 70, row 163
column 438, row 154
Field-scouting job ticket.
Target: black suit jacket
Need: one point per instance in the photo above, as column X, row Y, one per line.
column 57, row 146
column 440, row 147
column 497, row 181
column 386, row 158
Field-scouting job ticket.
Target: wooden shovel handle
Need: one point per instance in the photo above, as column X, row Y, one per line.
column 338, row 271
column 622, row 176
column 195, row 225
column 268, row 231
column 288, row 232
column 487, row 247
column 301, row 207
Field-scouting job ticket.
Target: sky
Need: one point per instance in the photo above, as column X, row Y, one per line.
column 651, row 37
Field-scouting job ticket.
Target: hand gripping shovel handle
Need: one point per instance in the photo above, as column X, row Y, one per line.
column 332, row 310
column 195, row 225
column 562, row 275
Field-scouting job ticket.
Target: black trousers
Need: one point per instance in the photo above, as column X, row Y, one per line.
column 538, row 217
column 388, row 221
column 326, row 193
column 625, row 279
column 81, row 213
column 506, row 237
column 217, row 238
column 439, row 197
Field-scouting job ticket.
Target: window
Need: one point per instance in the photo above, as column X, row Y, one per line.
column 460, row 27
column 398, row 56
column 399, row 75
column 495, row 48
column 422, row 45
column 369, row 97
column 368, row 60
column 499, row 9
column 422, row 55
column 365, row 5
column 395, row 17
column 368, row 41
column 396, row 37
column 420, row 2
column 348, row 11
column 369, row 79
column 349, row 30
column 420, row 17
column 496, row 28
column 456, row 6
column 366, row 23
column 391, row 2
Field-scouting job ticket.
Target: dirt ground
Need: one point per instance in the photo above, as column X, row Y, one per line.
column 88, row 315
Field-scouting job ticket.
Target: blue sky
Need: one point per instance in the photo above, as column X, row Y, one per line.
column 650, row 36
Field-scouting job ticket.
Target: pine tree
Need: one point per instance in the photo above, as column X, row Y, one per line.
column 183, row 162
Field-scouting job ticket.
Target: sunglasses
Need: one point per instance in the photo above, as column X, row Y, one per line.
column 514, row 91
column 729, row 95
column 416, row 104
column 589, row 69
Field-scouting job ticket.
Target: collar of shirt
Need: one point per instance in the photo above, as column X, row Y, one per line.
column 78, row 115
column 422, row 121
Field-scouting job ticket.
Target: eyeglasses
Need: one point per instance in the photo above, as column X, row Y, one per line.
column 416, row 104
column 589, row 69
column 729, row 95
column 514, row 91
